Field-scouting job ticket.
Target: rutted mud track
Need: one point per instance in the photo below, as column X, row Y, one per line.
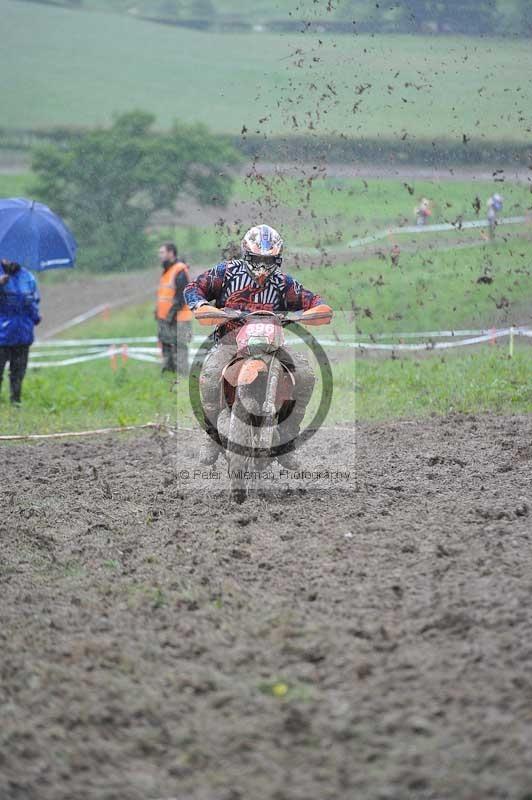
column 144, row 621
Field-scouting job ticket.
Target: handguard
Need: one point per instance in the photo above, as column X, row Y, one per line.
column 319, row 315
column 208, row 315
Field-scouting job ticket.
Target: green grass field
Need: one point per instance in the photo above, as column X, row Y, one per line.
column 16, row 185
column 334, row 212
column 90, row 396
column 264, row 10
column 80, row 68
column 484, row 380
column 344, row 209
column 431, row 289
column 481, row 379
column 436, row 285
column 93, row 395
column 331, row 212
column 438, row 290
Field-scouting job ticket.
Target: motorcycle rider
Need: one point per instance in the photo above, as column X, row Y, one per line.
column 252, row 283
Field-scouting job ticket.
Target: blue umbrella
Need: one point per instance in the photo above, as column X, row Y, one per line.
column 34, row 236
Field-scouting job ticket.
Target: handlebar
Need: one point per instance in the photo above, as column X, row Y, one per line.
column 208, row 315
column 235, row 313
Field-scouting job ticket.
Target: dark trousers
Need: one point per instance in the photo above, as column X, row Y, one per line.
column 17, row 355
column 174, row 338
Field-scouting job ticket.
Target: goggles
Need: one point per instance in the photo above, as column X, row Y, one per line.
column 263, row 262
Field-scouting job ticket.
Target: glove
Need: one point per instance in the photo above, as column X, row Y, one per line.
column 317, row 315
column 207, row 315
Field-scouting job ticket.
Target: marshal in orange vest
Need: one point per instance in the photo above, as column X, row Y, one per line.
column 166, row 293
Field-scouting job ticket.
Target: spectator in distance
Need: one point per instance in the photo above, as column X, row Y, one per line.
column 423, row 212
column 174, row 318
column 494, row 207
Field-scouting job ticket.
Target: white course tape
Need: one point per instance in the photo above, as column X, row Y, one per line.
column 338, row 342
column 39, row 359
column 68, row 361
column 44, row 354
column 432, row 345
column 415, row 229
column 145, row 357
column 429, row 334
column 117, row 341
column 36, row 352
column 444, row 226
column 69, row 434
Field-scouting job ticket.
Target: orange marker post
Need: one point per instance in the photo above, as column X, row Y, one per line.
column 112, row 357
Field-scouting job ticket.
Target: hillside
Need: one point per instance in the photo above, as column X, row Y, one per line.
column 507, row 14
column 79, row 68
column 259, row 10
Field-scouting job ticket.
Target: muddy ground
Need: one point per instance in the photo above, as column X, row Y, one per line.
column 147, row 624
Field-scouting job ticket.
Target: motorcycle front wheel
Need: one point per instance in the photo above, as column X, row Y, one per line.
column 240, row 452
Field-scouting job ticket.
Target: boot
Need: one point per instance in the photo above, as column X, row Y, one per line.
column 210, row 448
column 209, row 451
column 289, row 460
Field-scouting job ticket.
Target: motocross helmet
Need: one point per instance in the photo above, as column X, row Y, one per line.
column 262, row 249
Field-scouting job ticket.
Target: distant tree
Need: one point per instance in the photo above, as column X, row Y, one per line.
column 107, row 183
column 354, row 9
column 458, row 16
column 468, row 16
column 525, row 14
column 184, row 9
column 202, row 8
column 170, row 8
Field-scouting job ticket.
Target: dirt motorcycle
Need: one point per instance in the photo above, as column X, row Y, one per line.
column 256, row 390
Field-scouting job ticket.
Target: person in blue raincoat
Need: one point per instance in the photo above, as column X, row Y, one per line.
column 19, row 313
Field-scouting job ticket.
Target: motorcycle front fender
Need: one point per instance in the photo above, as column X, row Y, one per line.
column 250, row 370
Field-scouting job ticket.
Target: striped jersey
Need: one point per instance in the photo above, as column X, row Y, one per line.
column 230, row 285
